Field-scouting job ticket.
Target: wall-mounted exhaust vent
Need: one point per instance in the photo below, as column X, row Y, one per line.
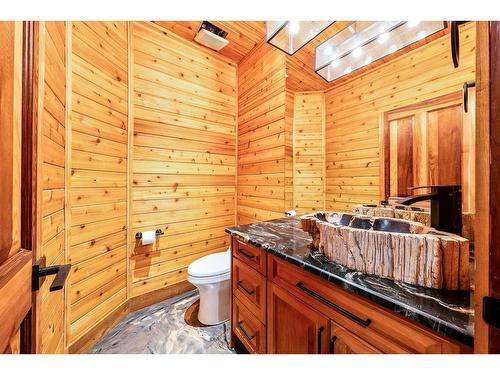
column 211, row 36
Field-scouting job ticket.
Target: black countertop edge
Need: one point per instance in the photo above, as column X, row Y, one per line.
column 460, row 333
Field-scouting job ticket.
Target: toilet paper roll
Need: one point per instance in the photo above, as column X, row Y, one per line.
column 148, row 237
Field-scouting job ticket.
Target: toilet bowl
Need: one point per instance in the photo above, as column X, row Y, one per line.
column 211, row 275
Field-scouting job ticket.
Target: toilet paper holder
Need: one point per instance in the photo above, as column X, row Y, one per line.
column 158, row 232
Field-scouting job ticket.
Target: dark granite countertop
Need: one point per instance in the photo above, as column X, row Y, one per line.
column 448, row 312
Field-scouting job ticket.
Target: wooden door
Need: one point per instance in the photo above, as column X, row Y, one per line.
column 15, row 263
column 344, row 342
column 293, row 327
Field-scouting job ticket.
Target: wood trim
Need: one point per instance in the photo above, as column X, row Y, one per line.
column 130, row 148
column 90, row 338
column 482, row 234
column 494, row 336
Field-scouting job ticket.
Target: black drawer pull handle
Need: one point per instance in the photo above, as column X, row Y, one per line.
column 320, row 333
column 250, row 256
column 246, row 289
column 332, row 344
column 248, row 336
column 357, row 319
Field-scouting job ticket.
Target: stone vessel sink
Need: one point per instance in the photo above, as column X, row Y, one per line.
column 397, row 249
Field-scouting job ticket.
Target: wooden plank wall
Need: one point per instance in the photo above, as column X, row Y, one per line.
column 261, row 135
column 98, row 156
column 308, row 151
column 184, row 154
column 354, row 107
column 51, row 159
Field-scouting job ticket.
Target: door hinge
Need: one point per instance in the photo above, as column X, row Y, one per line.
column 491, row 311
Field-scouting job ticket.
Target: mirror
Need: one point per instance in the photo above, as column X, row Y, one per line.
column 429, row 143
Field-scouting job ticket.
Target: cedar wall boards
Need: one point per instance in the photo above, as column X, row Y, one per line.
column 51, row 108
column 184, row 155
column 353, row 111
column 125, row 155
column 264, row 148
column 309, row 152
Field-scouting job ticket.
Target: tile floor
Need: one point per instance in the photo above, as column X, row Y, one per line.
column 161, row 329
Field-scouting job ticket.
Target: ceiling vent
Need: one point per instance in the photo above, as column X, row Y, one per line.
column 211, row 36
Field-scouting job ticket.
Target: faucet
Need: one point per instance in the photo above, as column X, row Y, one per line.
column 446, row 206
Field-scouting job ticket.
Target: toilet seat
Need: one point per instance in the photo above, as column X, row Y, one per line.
column 211, row 266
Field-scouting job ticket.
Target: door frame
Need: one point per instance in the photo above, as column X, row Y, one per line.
column 487, row 222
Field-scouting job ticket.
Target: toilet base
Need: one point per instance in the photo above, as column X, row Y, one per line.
column 214, row 302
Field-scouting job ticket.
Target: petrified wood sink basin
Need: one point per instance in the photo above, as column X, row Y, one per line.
column 397, row 249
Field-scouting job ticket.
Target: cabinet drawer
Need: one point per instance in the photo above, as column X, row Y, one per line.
column 249, row 287
column 249, row 329
column 380, row 328
column 251, row 255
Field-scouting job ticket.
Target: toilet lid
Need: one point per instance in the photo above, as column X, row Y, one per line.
column 211, row 265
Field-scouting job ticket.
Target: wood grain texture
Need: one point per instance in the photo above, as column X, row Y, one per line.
column 439, row 260
column 353, row 110
column 98, row 156
column 263, row 124
column 50, row 202
column 184, row 155
column 308, row 152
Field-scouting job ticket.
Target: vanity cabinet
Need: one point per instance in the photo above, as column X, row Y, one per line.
column 279, row 307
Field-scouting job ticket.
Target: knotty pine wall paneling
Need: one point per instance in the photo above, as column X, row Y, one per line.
column 262, row 142
column 308, row 151
column 353, row 112
column 50, row 204
column 98, row 183
column 184, row 155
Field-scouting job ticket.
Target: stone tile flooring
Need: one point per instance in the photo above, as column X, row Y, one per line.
column 161, row 329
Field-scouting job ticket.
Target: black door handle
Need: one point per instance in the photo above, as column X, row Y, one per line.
column 455, row 42
column 332, row 344
column 320, row 334
column 363, row 322
column 242, row 286
column 248, row 336
column 40, row 271
column 466, row 94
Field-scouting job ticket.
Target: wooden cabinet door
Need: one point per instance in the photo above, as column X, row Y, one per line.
column 344, row 342
column 292, row 326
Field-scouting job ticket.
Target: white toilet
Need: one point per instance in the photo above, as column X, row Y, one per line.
column 211, row 275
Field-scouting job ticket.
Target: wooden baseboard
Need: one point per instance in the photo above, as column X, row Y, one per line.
column 89, row 339
column 148, row 299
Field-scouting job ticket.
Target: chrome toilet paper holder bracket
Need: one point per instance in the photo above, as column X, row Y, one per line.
column 158, row 232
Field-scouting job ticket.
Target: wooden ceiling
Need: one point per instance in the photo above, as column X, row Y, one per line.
column 244, row 36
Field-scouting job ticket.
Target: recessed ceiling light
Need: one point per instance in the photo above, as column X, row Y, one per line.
column 294, row 27
column 357, row 52
column 383, row 38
